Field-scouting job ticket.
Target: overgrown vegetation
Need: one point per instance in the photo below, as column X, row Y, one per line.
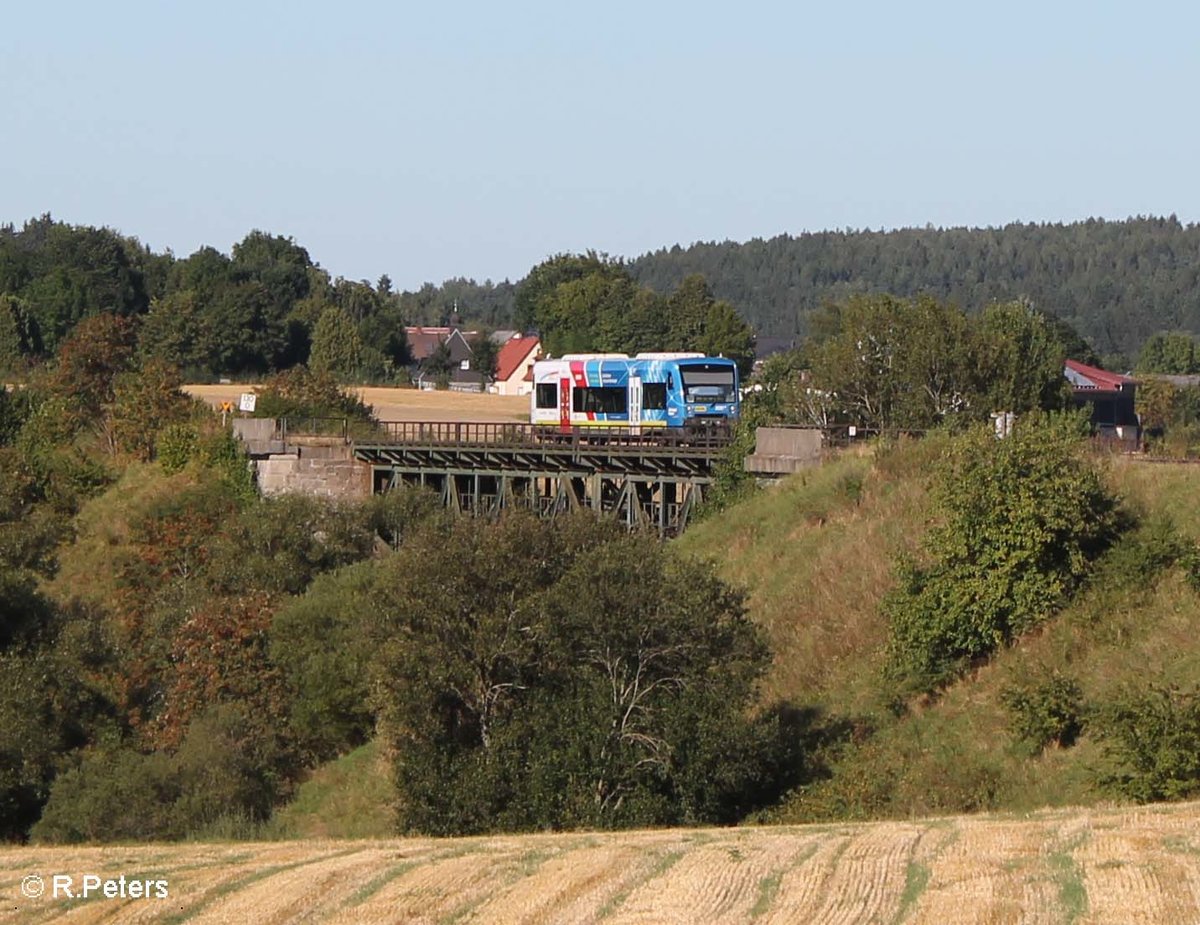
column 885, row 365
column 528, row 675
column 1044, row 711
column 1151, row 737
column 1030, row 722
column 1020, row 521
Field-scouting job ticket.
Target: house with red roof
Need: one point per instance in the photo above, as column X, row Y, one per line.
column 514, row 365
column 1110, row 397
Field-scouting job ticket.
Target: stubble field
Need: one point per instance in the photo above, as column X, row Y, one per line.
column 1077, row 866
column 404, row 404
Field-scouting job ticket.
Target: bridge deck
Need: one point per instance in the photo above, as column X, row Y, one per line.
column 647, row 479
column 522, row 448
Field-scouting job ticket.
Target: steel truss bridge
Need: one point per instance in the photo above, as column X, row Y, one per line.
column 647, row 480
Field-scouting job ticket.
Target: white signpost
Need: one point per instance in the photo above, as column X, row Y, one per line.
column 248, row 401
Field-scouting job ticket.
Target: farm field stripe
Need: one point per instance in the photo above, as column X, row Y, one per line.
column 520, row 868
column 1086, row 866
column 869, row 879
column 715, row 882
column 433, row 890
column 616, row 905
column 1133, row 874
column 378, row 882
column 230, row 886
column 565, row 885
column 768, row 886
column 98, row 909
column 194, row 864
column 966, row 877
column 802, row 886
column 309, row 890
column 927, row 849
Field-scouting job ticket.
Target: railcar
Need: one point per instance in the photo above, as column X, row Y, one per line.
column 675, row 394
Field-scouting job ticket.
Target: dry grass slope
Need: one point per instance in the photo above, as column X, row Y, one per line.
column 815, row 553
column 1056, row 866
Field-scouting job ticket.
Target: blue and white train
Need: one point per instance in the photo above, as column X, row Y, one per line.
column 675, row 393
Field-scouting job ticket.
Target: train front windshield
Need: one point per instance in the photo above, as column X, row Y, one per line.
column 712, row 385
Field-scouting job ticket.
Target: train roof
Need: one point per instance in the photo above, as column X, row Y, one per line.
column 668, row 356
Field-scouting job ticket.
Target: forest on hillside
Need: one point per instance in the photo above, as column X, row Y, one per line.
column 1117, row 283
column 257, row 308
column 268, row 306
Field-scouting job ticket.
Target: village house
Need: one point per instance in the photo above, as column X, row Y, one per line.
column 461, row 374
column 514, row 364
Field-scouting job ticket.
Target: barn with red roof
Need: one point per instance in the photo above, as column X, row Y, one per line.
column 1110, row 397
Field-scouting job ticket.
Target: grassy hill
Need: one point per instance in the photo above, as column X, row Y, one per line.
column 815, row 554
column 347, row 798
column 1055, row 866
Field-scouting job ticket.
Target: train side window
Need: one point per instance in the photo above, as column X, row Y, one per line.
column 654, row 396
column 602, row 399
column 547, row 395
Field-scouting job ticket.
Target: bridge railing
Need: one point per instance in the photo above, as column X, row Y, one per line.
column 462, row 433
column 338, row 428
column 502, row 434
column 493, row 434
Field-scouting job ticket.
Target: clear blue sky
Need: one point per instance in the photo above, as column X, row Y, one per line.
column 428, row 140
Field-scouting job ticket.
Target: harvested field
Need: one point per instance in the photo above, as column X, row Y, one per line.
column 404, row 404
column 1083, row 866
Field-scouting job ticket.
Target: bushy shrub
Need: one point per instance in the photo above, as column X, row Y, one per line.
column 52, row 696
column 16, row 407
column 219, row 450
column 1147, row 549
column 144, row 400
column 1151, row 742
column 280, row 543
column 732, row 482
column 223, row 773
column 1045, row 710
column 177, row 446
column 302, row 393
column 233, row 764
column 65, row 474
column 323, row 642
column 1021, row 521
column 114, row 795
column 394, row 514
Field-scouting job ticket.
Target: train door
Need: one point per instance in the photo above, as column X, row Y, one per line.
column 564, row 405
column 635, row 404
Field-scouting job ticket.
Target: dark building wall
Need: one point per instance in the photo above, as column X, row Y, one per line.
column 1109, row 409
